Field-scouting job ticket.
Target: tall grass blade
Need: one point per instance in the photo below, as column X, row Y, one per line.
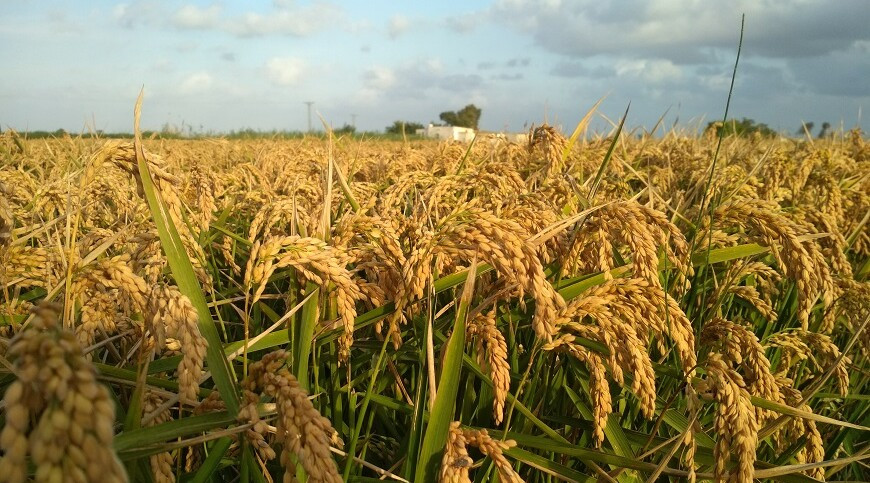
column 210, row 465
column 182, row 271
column 305, row 340
column 435, row 436
column 602, row 168
column 581, row 127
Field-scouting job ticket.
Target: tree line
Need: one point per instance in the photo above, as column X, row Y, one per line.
column 747, row 127
column 468, row 116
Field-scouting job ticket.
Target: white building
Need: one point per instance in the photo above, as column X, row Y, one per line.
column 450, row 133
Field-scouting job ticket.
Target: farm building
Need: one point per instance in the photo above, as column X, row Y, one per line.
column 451, row 133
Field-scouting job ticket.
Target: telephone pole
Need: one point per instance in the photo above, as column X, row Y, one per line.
column 309, row 103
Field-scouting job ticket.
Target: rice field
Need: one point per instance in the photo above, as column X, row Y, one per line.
column 618, row 307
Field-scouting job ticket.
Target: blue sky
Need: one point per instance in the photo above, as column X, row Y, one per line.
column 230, row 65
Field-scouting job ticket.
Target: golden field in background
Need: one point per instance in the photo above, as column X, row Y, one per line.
column 268, row 309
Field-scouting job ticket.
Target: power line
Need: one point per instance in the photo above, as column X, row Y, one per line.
column 309, row 103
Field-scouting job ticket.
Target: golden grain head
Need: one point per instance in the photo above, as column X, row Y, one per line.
column 56, row 411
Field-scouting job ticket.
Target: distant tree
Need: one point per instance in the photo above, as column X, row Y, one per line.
column 468, row 116
column 824, row 129
column 346, row 130
column 743, row 127
column 450, row 118
column 399, row 126
column 806, row 127
column 169, row 130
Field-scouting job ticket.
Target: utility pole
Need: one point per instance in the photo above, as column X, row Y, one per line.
column 309, row 103
column 353, row 120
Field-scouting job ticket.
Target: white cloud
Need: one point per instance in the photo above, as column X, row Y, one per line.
column 434, row 66
column 686, row 31
column 418, row 79
column 398, row 25
column 194, row 17
column 463, row 24
column 61, row 22
column 379, row 78
column 196, row 83
column 653, row 71
column 138, row 12
column 281, row 18
column 119, row 11
column 285, row 71
column 285, row 20
column 163, row 65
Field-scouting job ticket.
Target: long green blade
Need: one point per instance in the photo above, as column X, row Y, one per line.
column 182, row 271
column 448, row 386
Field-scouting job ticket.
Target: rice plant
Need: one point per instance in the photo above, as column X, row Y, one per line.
column 616, row 308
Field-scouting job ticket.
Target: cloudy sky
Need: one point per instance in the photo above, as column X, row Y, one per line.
column 229, row 65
